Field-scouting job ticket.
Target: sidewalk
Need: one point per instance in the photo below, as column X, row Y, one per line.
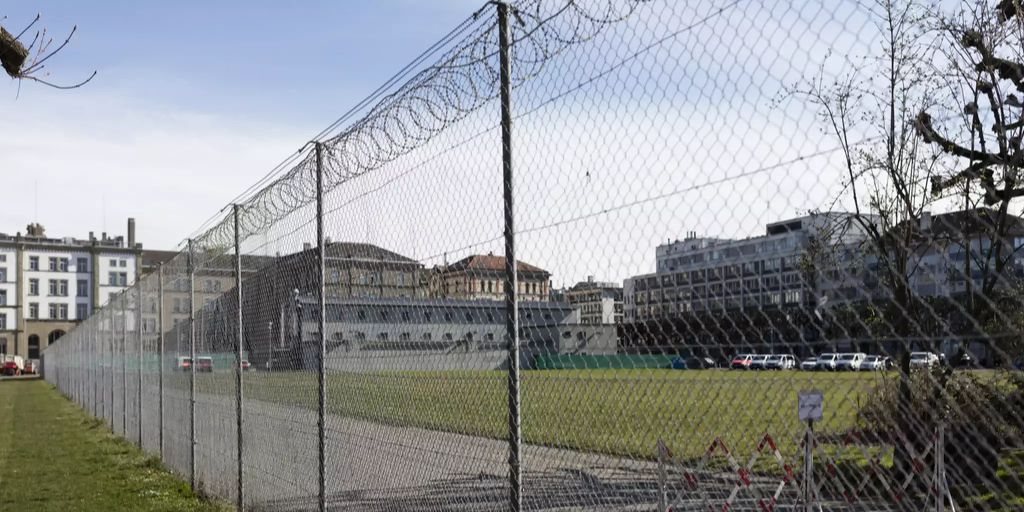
column 54, row 457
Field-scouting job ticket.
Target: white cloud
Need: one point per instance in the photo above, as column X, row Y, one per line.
column 95, row 156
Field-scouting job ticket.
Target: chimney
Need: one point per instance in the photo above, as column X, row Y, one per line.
column 306, row 246
column 92, row 236
column 131, row 232
column 104, row 236
column 590, row 279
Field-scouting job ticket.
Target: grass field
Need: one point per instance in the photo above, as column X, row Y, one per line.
column 617, row 412
column 53, row 457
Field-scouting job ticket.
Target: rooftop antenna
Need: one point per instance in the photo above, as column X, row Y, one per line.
column 35, row 208
column 103, row 220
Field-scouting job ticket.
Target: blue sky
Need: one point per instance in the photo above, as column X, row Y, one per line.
column 253, row 79
column 664, row 122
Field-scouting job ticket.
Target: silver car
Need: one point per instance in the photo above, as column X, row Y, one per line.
column 827, row 361
column 809, row 364
column 780, row 362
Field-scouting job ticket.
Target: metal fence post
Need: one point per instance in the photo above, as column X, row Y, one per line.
column 94, row 348
column 322, row 321
column 138, row 339
column 112, row 344
column 124, row 364
column 160, row 352
column 515, row 434
column 192, row 366
column 238, row 362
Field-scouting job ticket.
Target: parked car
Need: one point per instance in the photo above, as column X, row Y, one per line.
column 875, row 363
column 204, row 364
column 780, row 362
column 827, row 361
column 759, row 361
column 850, row 361
column 13, row 365
column 809, row 364
column 699, row 363
column 741, row 362
column 31, row 367
column 245, row 365
column 964, row 360
column 183, row 363
column 923, row 359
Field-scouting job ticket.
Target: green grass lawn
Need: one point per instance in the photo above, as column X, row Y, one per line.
column 617, row 412
column 55, row 457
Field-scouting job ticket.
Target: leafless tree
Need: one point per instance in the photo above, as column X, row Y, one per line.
column 29, row 62
column 870, row 111
column 980, row 123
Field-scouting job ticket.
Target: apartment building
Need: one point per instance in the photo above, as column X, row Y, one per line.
column 48, row 284
column 482, row 277
column 595, row 302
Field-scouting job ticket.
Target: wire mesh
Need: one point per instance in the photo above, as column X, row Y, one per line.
column 701, row 190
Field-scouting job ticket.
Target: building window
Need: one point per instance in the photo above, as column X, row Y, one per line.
column 361, row 314
column 113, row 263
column 62, row 264
column 53, row 311
column 33, row 287
column 3, row 275
column 33, row 310
column 82, row 265
column 53, row 264
column 124, row 263
column 3, row 321
column 82, row 288
column 33, row 262
column 81, row 311
column 426, row 336
column 404, row 337
column 62, row 311
column 3, row 257
column 122, row 279
column 3, row 297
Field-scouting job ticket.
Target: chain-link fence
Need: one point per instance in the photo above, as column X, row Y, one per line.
column 540, row 268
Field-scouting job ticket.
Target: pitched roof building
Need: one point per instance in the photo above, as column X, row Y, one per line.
column 482, row 277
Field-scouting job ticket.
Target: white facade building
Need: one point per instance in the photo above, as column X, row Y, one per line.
column 49, row 284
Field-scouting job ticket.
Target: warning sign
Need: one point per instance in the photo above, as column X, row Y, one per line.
column 811, row 405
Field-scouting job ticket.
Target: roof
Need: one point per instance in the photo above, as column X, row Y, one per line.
column 154, row 258
column 366, row 252
column 974, row 222
column 353, row 254
column 490, row 262
column 954, row 225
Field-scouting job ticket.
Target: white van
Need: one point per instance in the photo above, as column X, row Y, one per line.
column 850, row 361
